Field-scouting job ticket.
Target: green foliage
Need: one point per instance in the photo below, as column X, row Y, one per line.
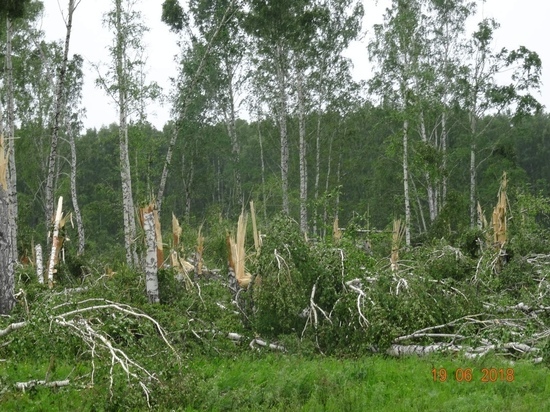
column 14, row 9
column 445, row 262
column 530, row 226
column 285, row 273
column 173, row 15
column 470, row 242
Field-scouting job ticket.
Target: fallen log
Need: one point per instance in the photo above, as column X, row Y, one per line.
column 12, row 327
column 31, row 384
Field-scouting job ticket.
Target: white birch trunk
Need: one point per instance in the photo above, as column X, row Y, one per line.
column 232, row 131
column 55, row 242
column 302, row 154
column 7, row 281
column 317, row 168
column 281, row 84
column 337, row 203
column 125, row 175
column 168, row 162
column 429, row 185
column 406, row 183
column 420, row 210
column 473, row 209
column 151, row 279
column 327, row 181
column 444, row 164
column 74, row 197
column 187, row 180
column 12, row 171
column 127, row 197
column 264, row 199
column 39, row 263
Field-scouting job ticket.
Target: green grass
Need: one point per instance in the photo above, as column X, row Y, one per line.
column 278, row 382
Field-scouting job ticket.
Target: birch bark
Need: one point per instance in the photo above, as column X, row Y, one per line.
column 302, row 154
column 281, row 85
column 406, row 183
column 6, row 262
column 125, row 175
column 12, row 171
column 74, row 197
column 151, row 279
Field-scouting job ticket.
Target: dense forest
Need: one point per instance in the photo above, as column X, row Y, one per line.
column 360, row 189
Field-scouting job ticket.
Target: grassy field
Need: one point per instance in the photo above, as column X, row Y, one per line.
column 289, row 383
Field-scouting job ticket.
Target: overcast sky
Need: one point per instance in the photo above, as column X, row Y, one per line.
column 522, row 23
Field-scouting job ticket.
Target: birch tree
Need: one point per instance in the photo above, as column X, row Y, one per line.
column 272, row 24
column 124, row 85
column 58, row 114
column 480, row 92
column 445, row 24
column 9, row 11
column 331, row 85
column 396, row 49
column 222, row 82
column 176, row 18
column 7, row 281
column 72, row 126
column 10, row 147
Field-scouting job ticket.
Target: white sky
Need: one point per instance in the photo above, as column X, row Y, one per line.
column 522, row 23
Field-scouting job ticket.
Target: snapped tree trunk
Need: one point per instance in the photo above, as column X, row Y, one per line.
column 7, row 281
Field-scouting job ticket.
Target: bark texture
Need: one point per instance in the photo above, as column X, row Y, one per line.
column 406, row 183
column 39, row 263
column 74, row 197
column 126, row 178
column 473, row 203
column 151, row 279
column 6, row 261
column 12, row 171
column 302, row 154
column 281, row 85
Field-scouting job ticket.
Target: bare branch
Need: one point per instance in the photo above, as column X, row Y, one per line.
column 12, row 327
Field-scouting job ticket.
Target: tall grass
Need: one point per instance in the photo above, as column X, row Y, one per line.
column 279, row 382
